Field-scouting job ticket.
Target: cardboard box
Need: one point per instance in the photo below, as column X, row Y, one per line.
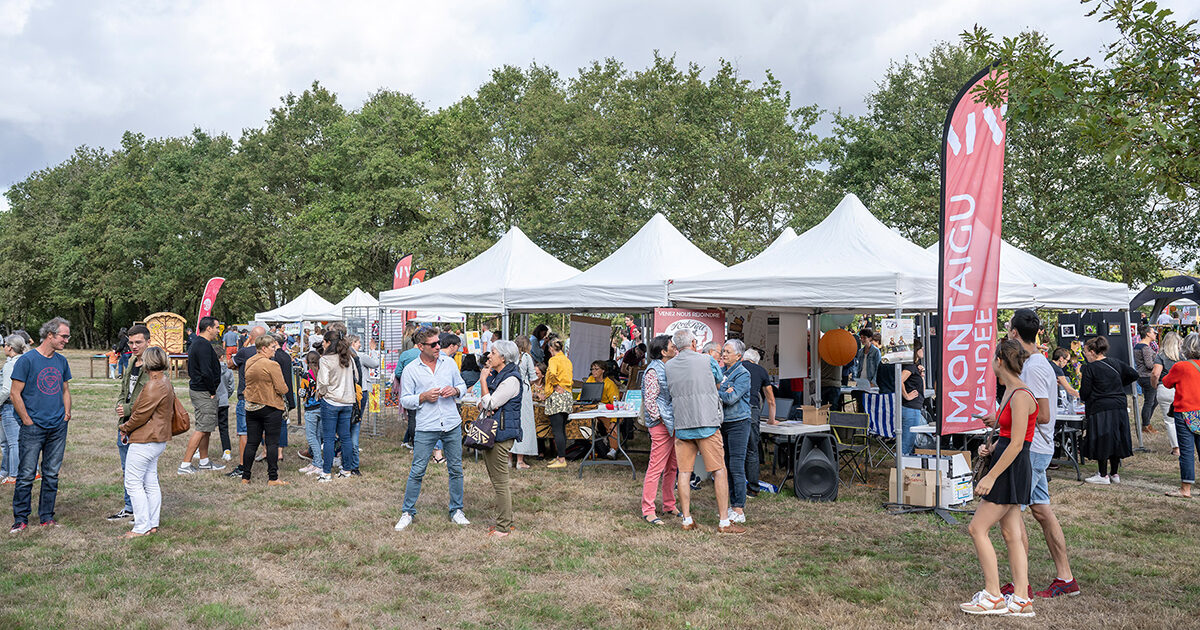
column 918, row 487
column 945, row 453
column 951, row 466
column 812, row 415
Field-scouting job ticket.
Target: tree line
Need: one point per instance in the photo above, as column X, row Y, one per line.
column 329, row 197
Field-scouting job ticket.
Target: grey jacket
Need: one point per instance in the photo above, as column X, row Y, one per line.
column 694, row 400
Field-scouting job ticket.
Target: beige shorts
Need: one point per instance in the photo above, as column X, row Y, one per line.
column 711, row 448
column 204, row 419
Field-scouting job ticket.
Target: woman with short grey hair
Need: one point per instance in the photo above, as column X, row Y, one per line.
column 501, row 388
column 10, row 427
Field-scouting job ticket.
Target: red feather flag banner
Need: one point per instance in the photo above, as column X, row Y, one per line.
column 969, row 252
column 210, row 296
column 401, row 277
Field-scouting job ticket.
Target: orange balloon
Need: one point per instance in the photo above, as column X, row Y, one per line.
column 837, row 347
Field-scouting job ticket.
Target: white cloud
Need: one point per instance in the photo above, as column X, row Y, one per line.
column 82, row 73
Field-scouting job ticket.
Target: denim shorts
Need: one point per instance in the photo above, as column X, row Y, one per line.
column 1039, row 494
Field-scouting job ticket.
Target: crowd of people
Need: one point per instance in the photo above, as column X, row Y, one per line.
column 698, row 403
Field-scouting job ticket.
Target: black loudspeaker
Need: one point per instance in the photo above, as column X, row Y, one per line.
column 816, row 473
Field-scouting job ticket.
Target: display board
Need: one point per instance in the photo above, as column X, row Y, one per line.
column 166, row 331
column 793, row 345
column 591, row 339
column 707, row 324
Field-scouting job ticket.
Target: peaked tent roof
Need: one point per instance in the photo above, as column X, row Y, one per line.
column 308, row 307
column 633, row 278
column 787, row 235
column 357, row 298
column 1166, row 291
column 1029, row 281
column 479, row 285
column 850, row 261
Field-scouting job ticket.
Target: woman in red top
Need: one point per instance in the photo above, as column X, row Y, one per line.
column 1184, row 378
column 1004, row 489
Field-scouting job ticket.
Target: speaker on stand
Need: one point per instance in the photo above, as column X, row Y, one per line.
column 816, row 473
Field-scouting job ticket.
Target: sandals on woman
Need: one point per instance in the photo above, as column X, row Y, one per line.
column 653, row 520
column 1177, row 494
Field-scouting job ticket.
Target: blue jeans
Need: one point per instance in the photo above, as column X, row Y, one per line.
column 10, row 437
column 123, row 450
column 312, row 433
column 736, row 435
column 752, row 462
column 1189, row 447
column 122, row 364
column 355, row 429
column 909, row 418
column 335, row 425
column 283, row 431
column 49, row 445
column 423, row 443
column 241, row 416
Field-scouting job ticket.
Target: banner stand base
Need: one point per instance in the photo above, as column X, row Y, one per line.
column 947, row 514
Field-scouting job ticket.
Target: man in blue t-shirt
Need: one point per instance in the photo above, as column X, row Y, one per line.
column 41, row 397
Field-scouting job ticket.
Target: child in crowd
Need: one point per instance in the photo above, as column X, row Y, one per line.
column 224, row 391
column 311, row 402
column 113, row 358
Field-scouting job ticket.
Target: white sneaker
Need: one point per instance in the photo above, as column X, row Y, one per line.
column 458, row 517
column 405, row 521
column 186, row 469
column 1018, row 609
column 1115, row 478
column 737, row 518
column 309, row 469
column 1098, row 480
column 344, row 474
column 324, row 478
column 226, row 455
column 212, row 465
column 984, row 603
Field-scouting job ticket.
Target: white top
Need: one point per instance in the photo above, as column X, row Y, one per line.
column 441, row 414
column 1165, row 318
column 485, row 338
column 335, row 383
column 504, row 392
column 1039, row 376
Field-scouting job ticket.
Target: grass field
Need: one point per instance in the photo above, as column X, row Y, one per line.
column 309, row 555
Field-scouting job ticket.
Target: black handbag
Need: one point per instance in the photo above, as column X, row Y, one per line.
column 480, row 433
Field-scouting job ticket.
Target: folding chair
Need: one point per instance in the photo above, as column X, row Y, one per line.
column 853, row 441
column 881, row 416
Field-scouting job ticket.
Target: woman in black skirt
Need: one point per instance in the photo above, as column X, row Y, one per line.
column 1106, row 418
column 1004, row 489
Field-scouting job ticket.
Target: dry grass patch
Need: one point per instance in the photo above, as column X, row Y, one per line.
column 305, row 555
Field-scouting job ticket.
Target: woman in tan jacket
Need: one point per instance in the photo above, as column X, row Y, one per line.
column 147, row 432
column 265, row 388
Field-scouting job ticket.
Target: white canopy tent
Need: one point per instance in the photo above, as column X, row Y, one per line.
column 357, row 299
column 308, row 307
column 633, row 278
column 786, row 236
column 1029, row 281
column 514, row 264
column 439, row 317
column 849, row 262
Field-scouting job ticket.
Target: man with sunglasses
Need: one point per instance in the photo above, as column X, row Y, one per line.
column 430, row 386
column 41, row 397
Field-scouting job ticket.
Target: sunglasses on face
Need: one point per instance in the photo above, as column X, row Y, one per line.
column 432, row 344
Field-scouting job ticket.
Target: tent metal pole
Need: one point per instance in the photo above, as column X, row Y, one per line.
column 898, row 428
column 1137, row 402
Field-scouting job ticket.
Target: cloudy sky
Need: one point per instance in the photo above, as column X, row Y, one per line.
column 83, row 72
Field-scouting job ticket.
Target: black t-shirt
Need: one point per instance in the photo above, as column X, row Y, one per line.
column 758, row 378
column 1057, row 370
column 886, row 378
column 240, row 360
column 914, row 383
column 203, row 367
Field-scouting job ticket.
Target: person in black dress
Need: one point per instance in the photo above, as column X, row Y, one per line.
column 1102, row 386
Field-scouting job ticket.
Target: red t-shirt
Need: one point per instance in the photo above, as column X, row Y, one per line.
column 1006, row 419
column 1185, row 378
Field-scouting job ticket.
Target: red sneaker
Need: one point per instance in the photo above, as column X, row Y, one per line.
column 1059, row 587
column 1009, row 589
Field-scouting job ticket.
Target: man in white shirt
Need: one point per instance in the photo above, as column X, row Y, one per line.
column 1165, row 319
column 1039, row 377
column 485, row 339
column 430, row 385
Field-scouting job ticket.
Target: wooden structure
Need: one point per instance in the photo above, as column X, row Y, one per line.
column 166, row 331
